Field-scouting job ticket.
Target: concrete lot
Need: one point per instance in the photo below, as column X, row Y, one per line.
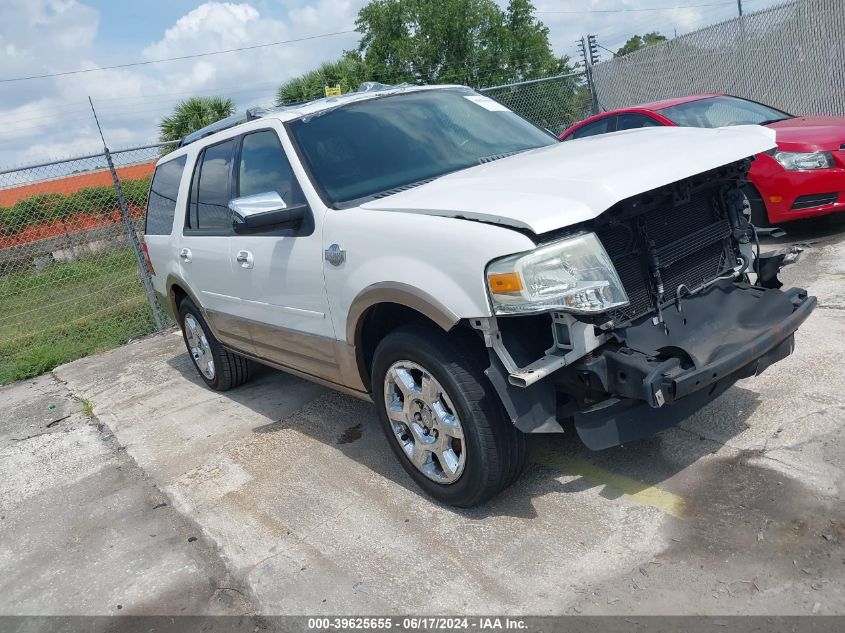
column 83, row 530
column 300, row 505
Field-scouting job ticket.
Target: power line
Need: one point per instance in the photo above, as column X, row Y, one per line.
column 606, row 49
column 637, row 22
column 63, row 109
column 632, row 10
column 135, row 101
column 171, row 59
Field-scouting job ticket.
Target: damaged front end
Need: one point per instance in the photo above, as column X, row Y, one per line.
column 703, row 310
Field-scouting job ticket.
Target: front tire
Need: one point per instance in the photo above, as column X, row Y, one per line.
column 442, row 417
column 219, row 368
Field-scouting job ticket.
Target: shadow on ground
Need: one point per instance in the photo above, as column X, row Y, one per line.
column 558, row 463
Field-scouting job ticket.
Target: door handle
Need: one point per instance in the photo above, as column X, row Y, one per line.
column 185, row 254
column 245, row 259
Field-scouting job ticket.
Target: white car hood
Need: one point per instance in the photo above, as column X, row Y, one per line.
column 574, row 181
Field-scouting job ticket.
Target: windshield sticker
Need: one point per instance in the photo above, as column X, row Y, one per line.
column 487, row 103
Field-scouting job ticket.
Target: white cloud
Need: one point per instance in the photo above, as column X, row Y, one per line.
column 51, row 118
column 219, row 26
column 76, row 142
column 46, row 118
column 45, row 30
column 213, row 23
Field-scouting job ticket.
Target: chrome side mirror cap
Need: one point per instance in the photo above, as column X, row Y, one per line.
column 264, row 211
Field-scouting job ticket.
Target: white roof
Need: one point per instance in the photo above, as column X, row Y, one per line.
column 290, row 113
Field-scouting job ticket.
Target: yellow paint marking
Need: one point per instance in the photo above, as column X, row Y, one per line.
column 832, row 276
column 637, row 491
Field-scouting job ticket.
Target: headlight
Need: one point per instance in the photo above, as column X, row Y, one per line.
column 802, row 161
column 573, row 275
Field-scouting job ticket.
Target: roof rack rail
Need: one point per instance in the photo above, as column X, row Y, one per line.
column 250, row 114
column 208, row 130
column 258, row 112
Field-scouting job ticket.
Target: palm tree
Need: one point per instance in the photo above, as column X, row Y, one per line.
column 192, row 114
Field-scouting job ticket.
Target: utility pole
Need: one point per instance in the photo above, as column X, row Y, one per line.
column 582, row 48
column 588, row 46
column 739, row 6
column 593, row 44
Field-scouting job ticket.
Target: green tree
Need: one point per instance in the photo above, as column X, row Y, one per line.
column 637, row 42
column 192, row 114
column 529, row 54
column 453, row 41
column 469, row 42
column 348, row 72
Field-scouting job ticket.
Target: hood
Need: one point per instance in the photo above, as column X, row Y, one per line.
column 810, row 134
column 574, row 181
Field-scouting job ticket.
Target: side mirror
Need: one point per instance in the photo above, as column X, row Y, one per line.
column 264, row 211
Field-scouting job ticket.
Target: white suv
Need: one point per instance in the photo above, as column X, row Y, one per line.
column 429, row 249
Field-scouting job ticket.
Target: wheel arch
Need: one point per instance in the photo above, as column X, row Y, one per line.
column 177, row 289
column 383, row 307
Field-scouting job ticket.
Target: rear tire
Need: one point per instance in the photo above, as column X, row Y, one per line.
column 219, row 368
column 442, row 418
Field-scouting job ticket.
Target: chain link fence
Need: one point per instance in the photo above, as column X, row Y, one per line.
column 553, row 103
column 791, row 56
column 70, row 279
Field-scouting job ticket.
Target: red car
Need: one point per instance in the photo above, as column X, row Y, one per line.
column 804, row 178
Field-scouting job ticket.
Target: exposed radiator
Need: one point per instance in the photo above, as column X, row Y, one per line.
column 690, row 242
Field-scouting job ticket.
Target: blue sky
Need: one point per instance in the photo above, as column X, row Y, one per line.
column 49, row 118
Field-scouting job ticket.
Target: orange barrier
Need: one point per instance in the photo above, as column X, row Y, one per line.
column 73, row 183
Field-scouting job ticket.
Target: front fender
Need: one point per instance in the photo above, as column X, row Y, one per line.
column 403, row 294
column 431, row 264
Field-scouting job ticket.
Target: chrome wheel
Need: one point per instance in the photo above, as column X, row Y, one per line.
column 424, row 422
column 199, row 347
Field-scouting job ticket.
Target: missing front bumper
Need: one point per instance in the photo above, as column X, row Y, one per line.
column 659, row 376
column 651, row 375
column 620, row 420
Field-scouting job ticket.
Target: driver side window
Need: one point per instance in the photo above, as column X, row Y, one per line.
column 602, row 126
column 263, row 167
column 634, row 121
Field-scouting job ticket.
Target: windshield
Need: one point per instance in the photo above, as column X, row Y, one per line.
column 722, row 112
column 375, row 146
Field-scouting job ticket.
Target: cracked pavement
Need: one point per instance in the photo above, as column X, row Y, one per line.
column 83, row 530
column 299, row 503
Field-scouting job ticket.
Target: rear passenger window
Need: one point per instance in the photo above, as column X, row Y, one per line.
column 602, row 126
column 264, row 168
column 161, row 206
column 208, row 208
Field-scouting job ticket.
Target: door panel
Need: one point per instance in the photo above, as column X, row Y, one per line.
column 284, row 299
column 209, row 272
column 207, row 265
column 280, row 278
